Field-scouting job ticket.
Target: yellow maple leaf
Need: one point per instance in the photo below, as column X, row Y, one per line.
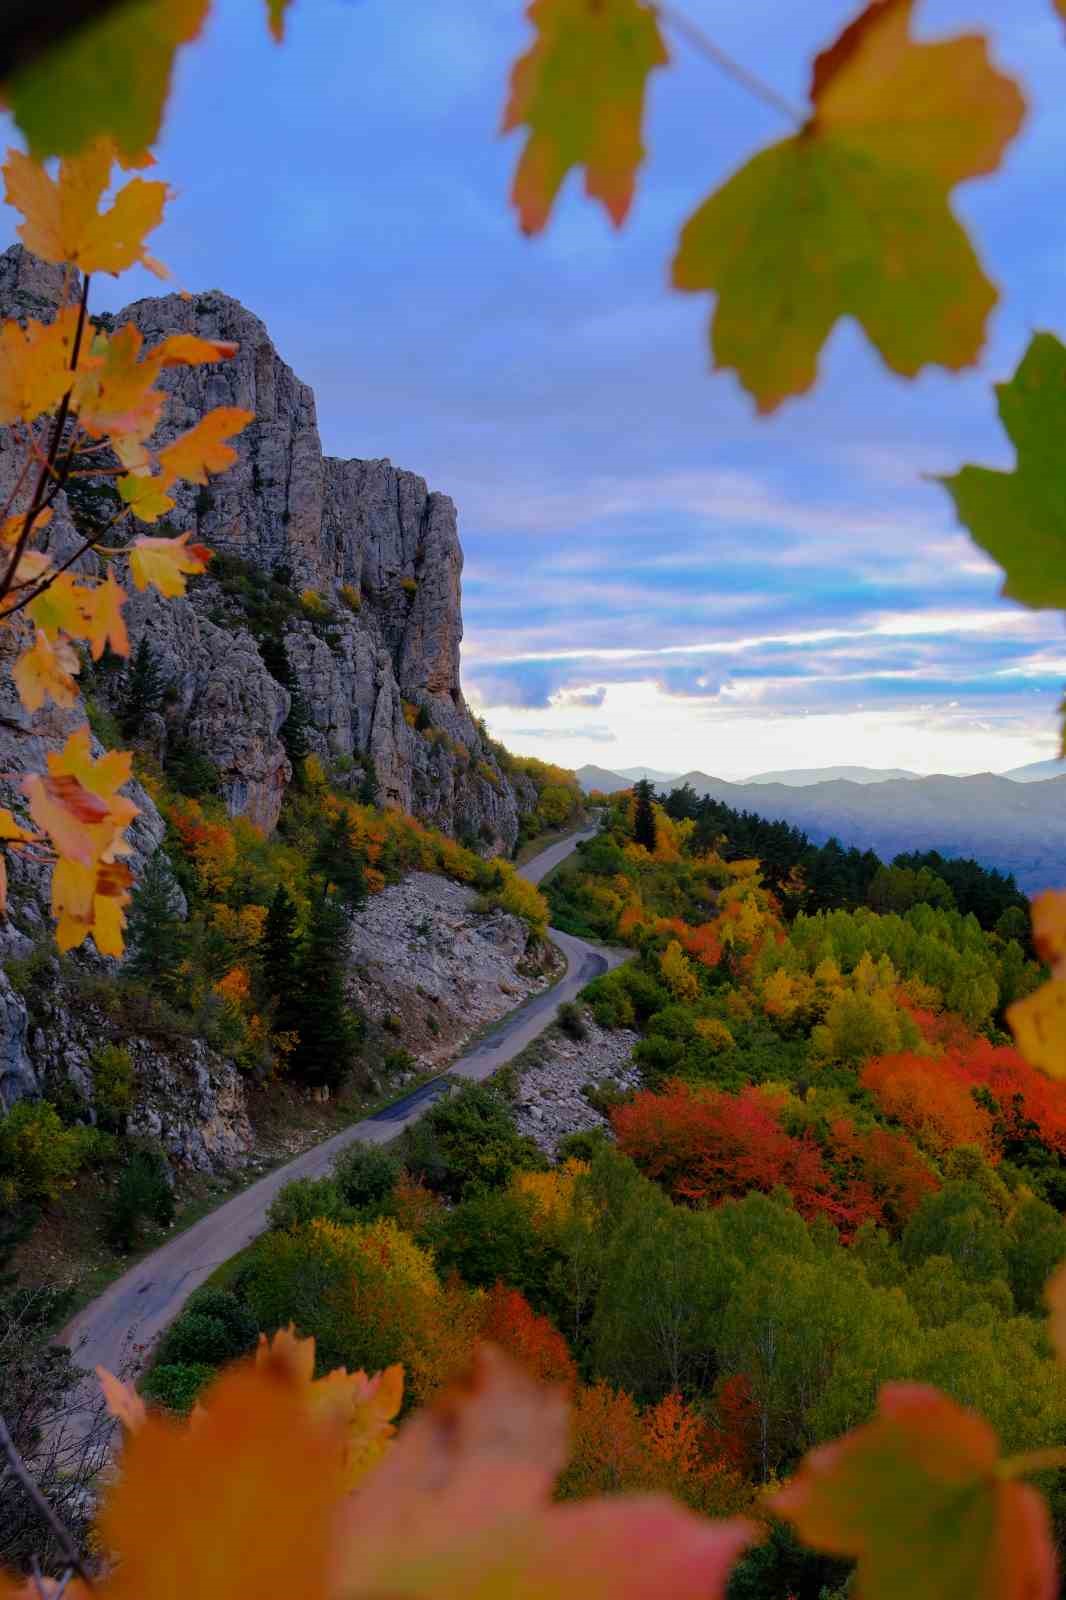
column 115, row 394
column 46, row 671
column 203, row 449
column 35, row 366
column 57, row 609
column 146, row 496
column 11, row 832
column 165, row 563
column 63, row 218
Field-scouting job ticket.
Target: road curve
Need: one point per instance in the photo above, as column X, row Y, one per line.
column 114, row 1329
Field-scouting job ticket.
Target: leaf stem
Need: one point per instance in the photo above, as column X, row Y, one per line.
column 732, row 69
column 1048, row 1460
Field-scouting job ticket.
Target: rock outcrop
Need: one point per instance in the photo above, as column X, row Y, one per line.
column 432, row 969
column 554, row 1082
column 381, row 555
column 373, row 648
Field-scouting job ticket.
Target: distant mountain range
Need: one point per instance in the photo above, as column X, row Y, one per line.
column 1014, row 824
column 803, row 777
column 1036, row 772
column 636, row 773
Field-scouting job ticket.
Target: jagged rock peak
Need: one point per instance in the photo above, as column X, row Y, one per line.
column 377, row 665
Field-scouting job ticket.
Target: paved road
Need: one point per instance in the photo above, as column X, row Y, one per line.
column 112, row 1330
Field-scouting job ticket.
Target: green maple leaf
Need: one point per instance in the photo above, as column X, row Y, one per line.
column 852, row 215
column 580, row 89
column 1019, row 517
column 917, row 1498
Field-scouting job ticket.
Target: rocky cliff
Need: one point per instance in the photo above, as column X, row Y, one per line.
column 372, row 651
column 336, row 594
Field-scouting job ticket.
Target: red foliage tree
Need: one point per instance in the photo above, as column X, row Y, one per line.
column 511, row 1322
column 881, row 1173
column 932, row 1098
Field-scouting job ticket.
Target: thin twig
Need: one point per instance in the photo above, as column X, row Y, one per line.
column 37, row 503
column 747, row 80
column 83, row 549
column 22, row 1473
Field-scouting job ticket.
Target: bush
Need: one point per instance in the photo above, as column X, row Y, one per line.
column 572, row 1022
column 142, row 1194
column 112, row 1072
column 39, row 1157
column 365, row 1177
column 213, row 1328
column 469, row 1142
column 303, row 1200
column 176, row 1386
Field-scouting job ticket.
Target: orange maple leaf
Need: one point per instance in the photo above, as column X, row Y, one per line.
column 63, row 221
column 203, row 449
column 104, row 623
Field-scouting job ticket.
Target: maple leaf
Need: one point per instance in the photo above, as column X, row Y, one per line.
column 109, row 77
column 1017, row 516
column 35, row 370
column 916, row 1498
column 1039, row 1021
column 11, row 527
column 580, row 90
column 851, row 216
column 203, row 449
column 462, row 1505
column 164, row 563
column 146, row 496
column 63, row 221
column 115, row 394
column 276, row 10
column 46, row 671
column 104, row 624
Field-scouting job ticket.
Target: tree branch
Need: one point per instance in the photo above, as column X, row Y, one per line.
column 20, row 1471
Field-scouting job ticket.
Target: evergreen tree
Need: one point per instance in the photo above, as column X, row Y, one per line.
column 157, row 935
column 370, row 787
column 143, row 689
column 280, row 962
column 341, row 863
column 644, row 815
column 295, row 730
column 329, row 1030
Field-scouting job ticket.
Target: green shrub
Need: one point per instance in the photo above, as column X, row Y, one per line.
column 39, row 1157
column 213, row 1328
column 142, row 1194
column 469, row 1142
column 304, row 1199
column 176, row 1386
column 365, row 1177
column 113, row 1080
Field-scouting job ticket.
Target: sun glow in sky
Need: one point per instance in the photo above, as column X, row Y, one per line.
column 653, row 576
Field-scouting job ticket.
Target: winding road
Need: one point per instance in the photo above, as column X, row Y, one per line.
column 114, row 1330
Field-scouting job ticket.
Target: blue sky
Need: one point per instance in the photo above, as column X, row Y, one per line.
column 652, row 574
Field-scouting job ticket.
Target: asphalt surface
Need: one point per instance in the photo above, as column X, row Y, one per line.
column 116, row 1329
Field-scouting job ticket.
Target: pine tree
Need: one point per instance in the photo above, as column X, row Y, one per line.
column 157, row 935
column 329, row 1030
column 341, row 864
column 295, row 730
column 280, row 953
column 370, row 788
column 143, row 689
column 644, row 815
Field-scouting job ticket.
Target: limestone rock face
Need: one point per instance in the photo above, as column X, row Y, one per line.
column 382, row 553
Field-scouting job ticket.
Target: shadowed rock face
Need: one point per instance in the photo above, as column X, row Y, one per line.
column 364, row 526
